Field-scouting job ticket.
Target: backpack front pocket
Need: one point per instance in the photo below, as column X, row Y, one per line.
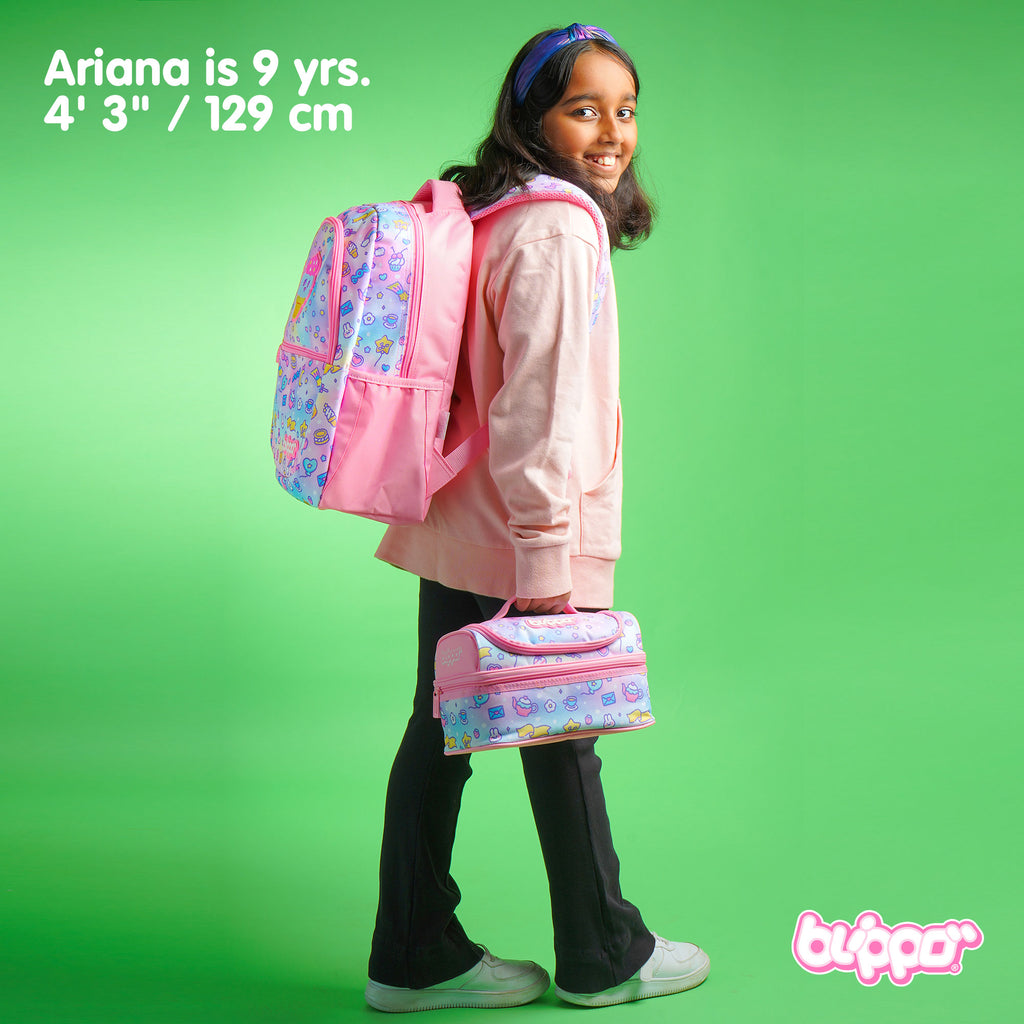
column 384, row 438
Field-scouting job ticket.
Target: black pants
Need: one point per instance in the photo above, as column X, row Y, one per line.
column 600, row 939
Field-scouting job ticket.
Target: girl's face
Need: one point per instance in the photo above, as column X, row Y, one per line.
column 595, row 120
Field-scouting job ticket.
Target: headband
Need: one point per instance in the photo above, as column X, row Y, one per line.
column 545, row 49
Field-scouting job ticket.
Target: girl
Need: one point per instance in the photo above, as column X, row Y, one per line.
column 538, row 518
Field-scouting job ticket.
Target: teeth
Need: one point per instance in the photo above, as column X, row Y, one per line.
column 604, row 161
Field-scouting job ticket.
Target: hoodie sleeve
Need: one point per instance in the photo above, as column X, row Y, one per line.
column 542, row 295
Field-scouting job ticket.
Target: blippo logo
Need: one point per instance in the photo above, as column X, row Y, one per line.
column 290, row 444
column 447, row 657
column 870, row 948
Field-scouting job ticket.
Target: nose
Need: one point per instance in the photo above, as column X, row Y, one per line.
column 611, row 130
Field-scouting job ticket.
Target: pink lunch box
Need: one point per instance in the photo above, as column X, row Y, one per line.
column 511, row 681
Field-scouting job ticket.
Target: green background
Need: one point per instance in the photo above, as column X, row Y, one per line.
column 204, row 683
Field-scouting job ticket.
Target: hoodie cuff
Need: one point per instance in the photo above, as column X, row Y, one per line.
column 543, row 571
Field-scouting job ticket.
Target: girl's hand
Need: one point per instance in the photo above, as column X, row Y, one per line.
column 543, row 605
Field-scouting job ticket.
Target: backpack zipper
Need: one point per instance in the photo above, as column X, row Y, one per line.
column 334, row 288
column 415, row 290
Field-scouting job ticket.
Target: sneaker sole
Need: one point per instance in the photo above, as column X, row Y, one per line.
column 407, row 1000
column 631, row 991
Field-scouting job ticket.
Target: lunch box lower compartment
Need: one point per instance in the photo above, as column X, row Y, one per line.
column 490, row 711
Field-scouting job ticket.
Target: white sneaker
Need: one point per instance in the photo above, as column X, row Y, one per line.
column 491, row 983
column 673, row 967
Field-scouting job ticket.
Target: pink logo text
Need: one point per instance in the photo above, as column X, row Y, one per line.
column 870, row 948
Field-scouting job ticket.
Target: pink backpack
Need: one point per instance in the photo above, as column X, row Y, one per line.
column 367, row 364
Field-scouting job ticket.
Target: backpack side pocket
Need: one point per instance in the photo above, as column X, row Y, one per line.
column 383, row 448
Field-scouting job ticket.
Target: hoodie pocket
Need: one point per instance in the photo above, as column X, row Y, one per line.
column 601, row 508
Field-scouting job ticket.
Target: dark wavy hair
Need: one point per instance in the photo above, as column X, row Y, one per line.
column 516, row 150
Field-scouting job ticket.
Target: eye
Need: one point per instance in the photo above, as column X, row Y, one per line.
column 627, row 114
column 584, row 112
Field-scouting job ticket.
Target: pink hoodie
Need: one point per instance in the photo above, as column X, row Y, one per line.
column 540, row 514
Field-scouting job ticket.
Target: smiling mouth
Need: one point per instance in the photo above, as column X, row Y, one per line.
column 603, row 159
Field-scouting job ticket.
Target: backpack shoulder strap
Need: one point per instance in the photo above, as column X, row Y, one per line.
column 544, row 186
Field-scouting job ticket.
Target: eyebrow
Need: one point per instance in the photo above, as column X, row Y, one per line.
column 629, row 97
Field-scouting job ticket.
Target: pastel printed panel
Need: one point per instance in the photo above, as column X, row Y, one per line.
column 308, row 324
column 544, row 638
column 302, row 427
column 376, row 288
column 512, row 717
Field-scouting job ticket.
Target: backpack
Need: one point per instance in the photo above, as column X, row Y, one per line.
column 367, row 364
